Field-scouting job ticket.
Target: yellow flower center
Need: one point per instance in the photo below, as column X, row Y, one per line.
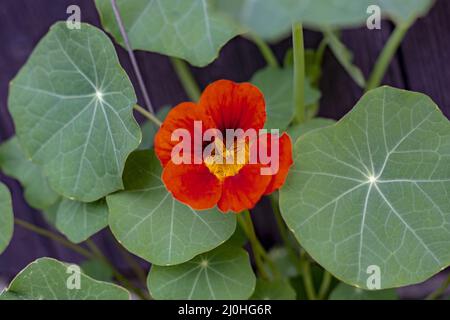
column 225, row 162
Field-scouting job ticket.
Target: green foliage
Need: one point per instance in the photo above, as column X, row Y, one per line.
column 47, row 279
column 6, row 217
column 224, row 273
column 149, row 129
column 72, row 107
column 372, row 190
column 345, row 292
column 189, row 29
column 273, row 290
column 149, row 222
column 97, row 270
column 300, row 129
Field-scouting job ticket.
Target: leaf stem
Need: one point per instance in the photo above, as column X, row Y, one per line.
column 325, row 285
column 387, row 53
column 440, row 291
column 299, row 72
column 186, row 78
column 148, row 115
column 134, row 63
column 307, row 276
column 265, row 50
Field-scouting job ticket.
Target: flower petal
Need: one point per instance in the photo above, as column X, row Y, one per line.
column 192, row 184
column 234, row 106
column 285, row 162
column 243, row 191
column 180, row 117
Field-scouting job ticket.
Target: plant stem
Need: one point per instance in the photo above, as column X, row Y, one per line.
column 186, row 78
column 134, row 63
column 134, row 265
column 299, row 72
column 61, row 240
column 386, row 55
column 307, row 277
column 326, row 281
column 440, row 291
column 147, row 114
column 265, row 50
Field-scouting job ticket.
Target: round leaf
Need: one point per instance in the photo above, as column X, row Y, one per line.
column 72, row 107
column 345, row 292
column 368, row 196
column 149, row 222
column 14, row 163
column 222, row 274
column 275, row 290
column 187, row 29
column 300, row 129
column 47, row 279
column 6, row 217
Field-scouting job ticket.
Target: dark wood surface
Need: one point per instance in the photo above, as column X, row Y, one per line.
column 421, row 64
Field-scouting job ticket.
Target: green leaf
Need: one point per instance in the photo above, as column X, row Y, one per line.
column 300, row 129
column 6, row 217
column 14, row 163
column 345, row 57
column 221, row 274
column 275, row 290
column 72, row 107
column 78, row 221
column 189, row 29
column 97, row 270
column 372, row 190
column 150, row 223
column 345, row 292
column 277, row 86
column 273, row 19
column 48, row 279
column 149, row 129
column 283, row 261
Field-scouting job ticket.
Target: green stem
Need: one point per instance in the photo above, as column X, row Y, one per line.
column 186, row 78
column 120, row 277
column 266, row 52
column 148, row 115
column 386, row 55
column 299, row 72
column 325, row 286
column 307, row 276
column 134, row 265
column 440, row 291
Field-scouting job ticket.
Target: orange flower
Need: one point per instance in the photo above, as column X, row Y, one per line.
column 208, row 181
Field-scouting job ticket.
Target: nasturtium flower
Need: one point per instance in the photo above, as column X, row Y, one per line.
column 230, row 176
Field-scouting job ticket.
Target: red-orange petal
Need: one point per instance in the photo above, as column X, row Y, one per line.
column 180, row 117
column 234, row 105
column 244, row 190
column 285, row 162
column 192, row 184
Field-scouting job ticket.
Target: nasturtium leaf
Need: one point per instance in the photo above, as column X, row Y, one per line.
column 150, row 223
column 345, row 292
column 283, row 262
column 50, row 279
column 14, row 163
column 368, row 196
column 222, row 274
column 300, row 129
column 189, row 29
column 78, row 221
column 272, row 19
column 97, row 270
column 149, row 129
column 6, row 217
column 273, row 290
column 72, row 106
column 277, row 86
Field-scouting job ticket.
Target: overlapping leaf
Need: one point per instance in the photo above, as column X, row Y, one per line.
column 14, row 163
column 221, row 274
column 187, row 29
column 6, row 217
column 48, row 279
column 273, row 290
column 149, row 222
column 345, row 292
column 72, row 107
column 372, row 191
column 300, row 129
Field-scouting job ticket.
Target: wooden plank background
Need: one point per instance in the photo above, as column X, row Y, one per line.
column 421, row 64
